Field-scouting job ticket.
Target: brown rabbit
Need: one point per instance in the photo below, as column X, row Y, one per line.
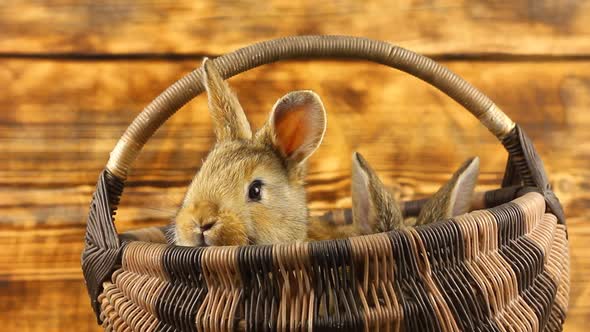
column 321, row 229
column 376, row 210
column 249, row 189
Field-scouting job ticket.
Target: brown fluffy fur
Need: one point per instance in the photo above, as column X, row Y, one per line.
column 216, row 209
column 376, row 210
column 454, row 197
column 371, row 200
column 319, row 229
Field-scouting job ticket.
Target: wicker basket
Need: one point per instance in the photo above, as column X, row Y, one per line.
column 504, row 267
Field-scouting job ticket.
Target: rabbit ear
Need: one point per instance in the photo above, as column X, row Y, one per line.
column 229, row 120
column 454, row 198
column 297, row 125
column 373, row 208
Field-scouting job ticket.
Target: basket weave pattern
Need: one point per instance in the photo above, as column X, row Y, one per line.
column 502, row 268
column 411, row 279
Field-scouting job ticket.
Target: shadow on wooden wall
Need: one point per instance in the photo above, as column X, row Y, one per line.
column 74, row 75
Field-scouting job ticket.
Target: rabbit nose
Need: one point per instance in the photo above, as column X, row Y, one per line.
column 205, row 226
column 205, row 237
column 200, row 235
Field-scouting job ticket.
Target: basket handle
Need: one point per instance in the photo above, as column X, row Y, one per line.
column 344, row 47
column 103, row 247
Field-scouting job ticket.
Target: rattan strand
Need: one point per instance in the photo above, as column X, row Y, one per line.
column 503, row 268
column 181, row 92
column 484, row 256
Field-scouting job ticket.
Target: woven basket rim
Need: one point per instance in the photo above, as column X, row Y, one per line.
column 103, row 247
column 528, row 195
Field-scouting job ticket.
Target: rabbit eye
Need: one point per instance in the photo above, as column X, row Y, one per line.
column 255, row 191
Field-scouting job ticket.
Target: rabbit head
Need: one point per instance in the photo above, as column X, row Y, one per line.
column 376, row 210
column 249, row 189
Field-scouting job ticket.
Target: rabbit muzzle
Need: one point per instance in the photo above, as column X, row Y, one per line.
column 211, row 226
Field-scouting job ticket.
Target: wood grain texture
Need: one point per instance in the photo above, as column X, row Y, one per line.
column 46, row 305
column 410, row 132
column 75, row 73
column 60, row 120
column 543, row 27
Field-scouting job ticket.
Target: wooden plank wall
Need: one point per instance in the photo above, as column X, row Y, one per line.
column 73, row 74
